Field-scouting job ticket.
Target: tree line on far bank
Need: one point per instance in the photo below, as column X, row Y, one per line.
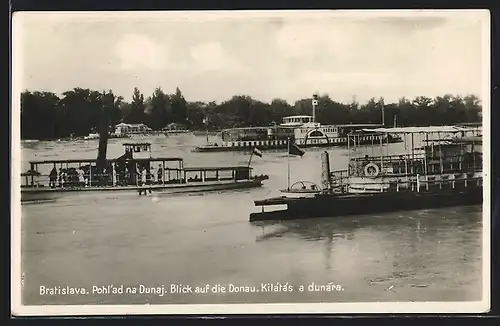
column 45, row 115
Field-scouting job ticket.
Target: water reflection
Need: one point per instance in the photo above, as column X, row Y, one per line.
column 423, row 224
column 418, row 248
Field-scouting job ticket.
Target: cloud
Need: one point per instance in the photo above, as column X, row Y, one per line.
column 212, row 56
column 139, row 51
column 390, row 55
column 349, row 78
column 331, row 38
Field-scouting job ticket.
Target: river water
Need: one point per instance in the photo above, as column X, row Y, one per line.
column 95, row 240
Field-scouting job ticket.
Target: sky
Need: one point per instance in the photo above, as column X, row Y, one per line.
column 212, row 56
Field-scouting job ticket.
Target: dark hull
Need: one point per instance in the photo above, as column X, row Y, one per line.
column 42, row 194
column 204, row 149
column 342, row 205
column 39, row 196
column 245, row 184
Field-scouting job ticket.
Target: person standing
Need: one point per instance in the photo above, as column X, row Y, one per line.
column 144, row 176
column 53, row 177
column 138, row 174
column 160, row 174
column 113, row 168
column 60, row 179
column 81, row 177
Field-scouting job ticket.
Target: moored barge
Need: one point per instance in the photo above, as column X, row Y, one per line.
column 443, row 172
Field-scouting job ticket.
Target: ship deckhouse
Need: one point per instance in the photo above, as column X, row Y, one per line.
column 316, row 134
column 298, row 121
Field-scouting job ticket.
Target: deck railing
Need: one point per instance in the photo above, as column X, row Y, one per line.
column 416, row 186
column 114, row 180
column 389, row 158
column 409, row 183
column 97, row 180
column 337, row 177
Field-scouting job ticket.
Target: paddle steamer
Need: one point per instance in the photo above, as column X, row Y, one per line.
column 302, row 130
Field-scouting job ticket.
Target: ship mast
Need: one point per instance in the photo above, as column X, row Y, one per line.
column 382, row 110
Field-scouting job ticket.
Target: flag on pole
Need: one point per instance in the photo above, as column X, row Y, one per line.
column 257, row 152
column 293, row 149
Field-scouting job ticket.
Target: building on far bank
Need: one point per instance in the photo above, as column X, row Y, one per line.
column 175, row 127
column 126, row 128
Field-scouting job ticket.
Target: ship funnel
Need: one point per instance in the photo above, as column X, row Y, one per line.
column 314, row 105
column 325, row 171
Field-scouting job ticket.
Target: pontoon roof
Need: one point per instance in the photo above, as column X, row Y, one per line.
column 73, row 161
column 298, row 116
column 413, row 130
column 158, row 159
column 214, row 168
column 136, row 144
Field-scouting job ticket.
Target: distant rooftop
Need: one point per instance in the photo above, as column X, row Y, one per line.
column 88, row 161
column 131, row 124
column 298, row 116
column 250, row 128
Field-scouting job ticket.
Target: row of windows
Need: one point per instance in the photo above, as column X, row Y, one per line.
column 283, row 142
column 322, row 141
column 317, row 133
column 315, row 141
column 340, row 140
column 367, row 138
column 257, row 143
column 302, row 131
column 299, row 120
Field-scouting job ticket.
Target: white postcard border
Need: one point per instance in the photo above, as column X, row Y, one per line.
column 228, row 309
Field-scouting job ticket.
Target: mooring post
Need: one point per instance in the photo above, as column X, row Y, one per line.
column 325, row 175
